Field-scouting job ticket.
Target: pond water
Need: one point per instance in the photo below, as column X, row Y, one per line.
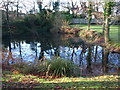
column 90, row 58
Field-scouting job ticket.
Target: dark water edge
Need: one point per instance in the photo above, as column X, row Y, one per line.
column 91, row 59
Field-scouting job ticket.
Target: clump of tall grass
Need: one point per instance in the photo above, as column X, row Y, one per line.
column 60, row 67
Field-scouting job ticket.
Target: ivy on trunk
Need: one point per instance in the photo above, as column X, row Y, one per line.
column 108, row 6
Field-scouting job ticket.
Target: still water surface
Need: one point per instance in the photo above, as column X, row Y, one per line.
column 46, row 46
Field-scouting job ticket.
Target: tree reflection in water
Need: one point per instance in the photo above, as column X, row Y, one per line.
column 90, row 58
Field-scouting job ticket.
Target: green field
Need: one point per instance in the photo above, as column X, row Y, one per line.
column 114, row 31
column 11, row 80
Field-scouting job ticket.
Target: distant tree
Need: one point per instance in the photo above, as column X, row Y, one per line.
column 89, row 13
column 67, row 6
column 74, row 8
column 56, row 6
column 17, row 6
column 108, row 7
column 39, row 2
column 83, row 6
column 71, row 7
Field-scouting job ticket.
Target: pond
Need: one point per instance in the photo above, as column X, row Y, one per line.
column 90, row 58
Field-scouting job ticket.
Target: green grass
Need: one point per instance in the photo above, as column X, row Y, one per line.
column 21, row 80
column 113, row 31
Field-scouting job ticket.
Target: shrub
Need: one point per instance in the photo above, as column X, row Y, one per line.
column 54, row 67
column 30, row 24
column 7, row 72
column 67, row 19
column 60, row 67
column 19, row 66
column 90, row 35
column 57, row 23
column 18, row 26
column 42, row 67
column 30, row 69
column 41, row 21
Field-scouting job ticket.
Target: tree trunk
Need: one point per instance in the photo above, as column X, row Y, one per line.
column 89, row 21
column 41, row 55
column 72, row 56
column 17, row 9
column 89, row 60
column 35, row 50
column 57, row 52
column 107, row 30
column 96, row 52
column 20, row 50
column 89, row 14
column 103, row 26
column 10, row 48
column 105, row 61
column 7, row 15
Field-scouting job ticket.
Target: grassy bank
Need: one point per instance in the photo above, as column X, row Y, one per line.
column 19, row 80
column 113, row 31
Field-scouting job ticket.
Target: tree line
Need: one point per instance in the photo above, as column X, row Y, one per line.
column 52, row 19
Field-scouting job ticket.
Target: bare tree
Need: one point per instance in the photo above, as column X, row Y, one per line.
column 83, row 6
column 90, row 8
column 71, row 6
